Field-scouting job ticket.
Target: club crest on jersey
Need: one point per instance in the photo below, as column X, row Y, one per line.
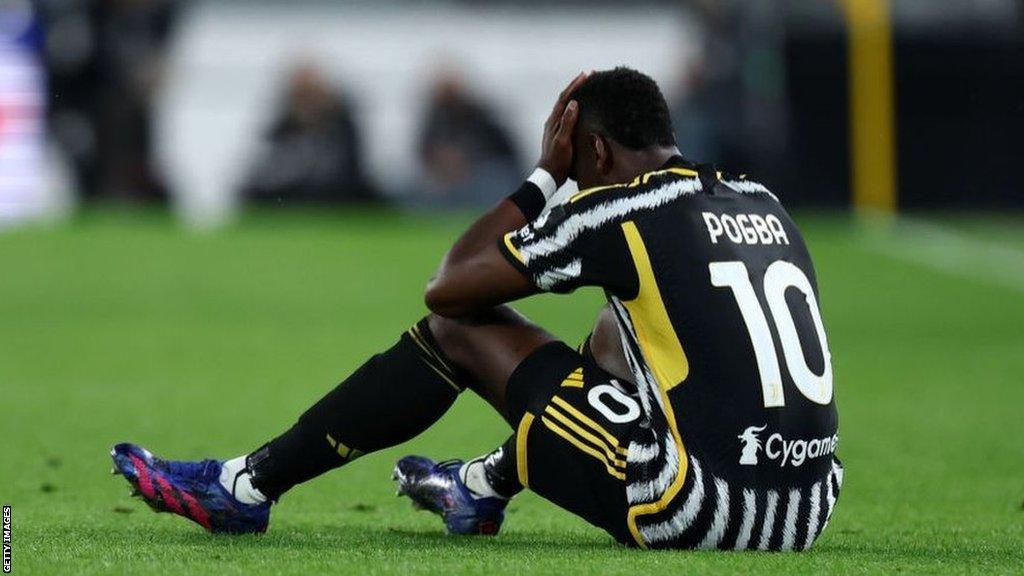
column 779, row 449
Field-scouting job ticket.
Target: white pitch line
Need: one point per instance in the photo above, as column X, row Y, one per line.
column 951, row 251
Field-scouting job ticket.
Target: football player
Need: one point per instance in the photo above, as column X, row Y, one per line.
column 699, row 413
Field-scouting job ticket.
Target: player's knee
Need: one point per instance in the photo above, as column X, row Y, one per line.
column 450, row 335
column 456, row 336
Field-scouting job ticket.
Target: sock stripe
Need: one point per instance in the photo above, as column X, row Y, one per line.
column 426, row 350
column 390, row 398
column 343, row 450
column 443, row 376
column 433, row 357
column 428, row 346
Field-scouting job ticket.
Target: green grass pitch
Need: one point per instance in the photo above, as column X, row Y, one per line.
column 119, row 326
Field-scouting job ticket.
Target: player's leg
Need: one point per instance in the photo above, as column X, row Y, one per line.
column 574, row 422
column 494, row 473
column 488, row 347
column 391, row 398
column 471, row 497
column 492, row 347
column 398, row 394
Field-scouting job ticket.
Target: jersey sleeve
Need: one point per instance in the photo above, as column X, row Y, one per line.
column 566, row 248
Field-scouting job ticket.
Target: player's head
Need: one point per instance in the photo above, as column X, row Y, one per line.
column 623, row 119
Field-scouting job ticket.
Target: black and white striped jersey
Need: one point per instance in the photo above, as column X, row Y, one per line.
column 717, row 305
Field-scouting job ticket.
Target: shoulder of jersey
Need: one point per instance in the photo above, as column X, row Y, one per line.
column 641, row 183
column 653, row 180
column 742, row 185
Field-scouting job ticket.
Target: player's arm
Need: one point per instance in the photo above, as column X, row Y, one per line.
column 474, row 274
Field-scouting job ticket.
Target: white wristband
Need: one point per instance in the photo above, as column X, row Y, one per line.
column 545, row 182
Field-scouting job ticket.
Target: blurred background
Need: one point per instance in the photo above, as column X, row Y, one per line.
column 212, row 211
column 207, row 106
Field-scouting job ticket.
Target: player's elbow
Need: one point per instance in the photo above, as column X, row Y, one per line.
column 446, row 308
column 439, row 299
column 435, row 303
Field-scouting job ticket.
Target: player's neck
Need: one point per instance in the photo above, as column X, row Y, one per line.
column 660, row 156
column 647, row 160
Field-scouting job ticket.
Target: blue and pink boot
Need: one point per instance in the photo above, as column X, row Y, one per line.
column 189, row 489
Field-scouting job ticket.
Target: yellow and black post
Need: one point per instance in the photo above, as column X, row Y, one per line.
column 872, row 105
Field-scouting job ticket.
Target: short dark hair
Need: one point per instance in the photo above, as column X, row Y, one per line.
column 627, row 106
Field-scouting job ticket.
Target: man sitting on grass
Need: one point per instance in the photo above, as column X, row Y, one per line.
column 698, row 414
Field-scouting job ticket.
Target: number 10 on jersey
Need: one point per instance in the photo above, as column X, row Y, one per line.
column 779, row 277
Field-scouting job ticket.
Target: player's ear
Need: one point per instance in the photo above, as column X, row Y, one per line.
column 602, row 154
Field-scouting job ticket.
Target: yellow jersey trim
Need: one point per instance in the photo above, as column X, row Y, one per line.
column 661, row 347
column 641, row 179
column 677, row 171
column 584, row 193
column 522, row 433
column 512, row 249
column 664, row 354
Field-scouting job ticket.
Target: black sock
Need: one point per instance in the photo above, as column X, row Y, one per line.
column 393, row 397
column 500, row 469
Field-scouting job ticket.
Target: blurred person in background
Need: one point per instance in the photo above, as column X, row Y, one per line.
column 733, row 104
column 313, row 150
column 468, row 155
column 24, row 191
column 105, row 61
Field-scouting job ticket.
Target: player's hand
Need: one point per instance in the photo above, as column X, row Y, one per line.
column 556, row 146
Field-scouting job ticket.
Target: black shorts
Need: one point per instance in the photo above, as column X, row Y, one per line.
column 575, row 422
